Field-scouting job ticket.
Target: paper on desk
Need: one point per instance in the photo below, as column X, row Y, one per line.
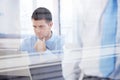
column 37, row 58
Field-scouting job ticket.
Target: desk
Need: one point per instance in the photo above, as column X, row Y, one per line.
column 13, row 65
column 46, row 67
column 21, row 66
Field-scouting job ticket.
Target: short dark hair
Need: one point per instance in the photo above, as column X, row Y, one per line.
column 42, row 13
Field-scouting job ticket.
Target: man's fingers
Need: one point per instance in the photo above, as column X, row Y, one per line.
column 43, row 39
column 40, row 45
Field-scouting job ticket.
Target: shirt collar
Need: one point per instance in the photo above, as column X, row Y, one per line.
column 50, row 39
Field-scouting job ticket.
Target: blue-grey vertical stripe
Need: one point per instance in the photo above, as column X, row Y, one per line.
column 109, row 30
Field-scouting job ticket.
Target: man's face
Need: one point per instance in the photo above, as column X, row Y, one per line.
column 42, row 28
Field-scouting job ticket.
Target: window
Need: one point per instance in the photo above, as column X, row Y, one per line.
column 26, row 12
column 67, row 19
column 9, row 17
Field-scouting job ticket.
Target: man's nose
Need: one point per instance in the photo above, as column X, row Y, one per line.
column 38, row 29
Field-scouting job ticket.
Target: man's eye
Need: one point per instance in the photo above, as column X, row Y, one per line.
column 34, row 26
column 41, row 26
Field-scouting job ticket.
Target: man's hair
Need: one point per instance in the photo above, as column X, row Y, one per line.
column 42, row 13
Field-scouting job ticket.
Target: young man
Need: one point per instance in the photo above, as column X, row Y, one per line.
column 44, row 39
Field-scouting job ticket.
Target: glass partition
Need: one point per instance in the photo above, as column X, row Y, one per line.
column 17, row 65
column 91, row 41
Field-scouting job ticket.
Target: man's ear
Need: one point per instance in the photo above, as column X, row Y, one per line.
column 51, row 24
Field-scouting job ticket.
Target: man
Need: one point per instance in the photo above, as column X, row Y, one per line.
column 44, row 39
column 92, row 56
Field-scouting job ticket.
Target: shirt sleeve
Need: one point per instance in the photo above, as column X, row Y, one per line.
column 70, row 64
column 24, row 45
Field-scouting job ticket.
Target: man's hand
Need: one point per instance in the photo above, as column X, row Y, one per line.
column 40, row 45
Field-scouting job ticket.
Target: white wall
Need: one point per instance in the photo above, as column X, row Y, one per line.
column 9, row 16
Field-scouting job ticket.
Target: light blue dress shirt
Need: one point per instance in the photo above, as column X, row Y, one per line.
column 55, row 43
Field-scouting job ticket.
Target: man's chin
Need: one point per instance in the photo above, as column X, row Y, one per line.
column 40, row 38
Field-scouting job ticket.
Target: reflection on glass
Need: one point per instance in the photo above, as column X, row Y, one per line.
column 84, row 63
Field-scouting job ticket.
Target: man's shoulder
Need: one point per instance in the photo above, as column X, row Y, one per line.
column 57, row 36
